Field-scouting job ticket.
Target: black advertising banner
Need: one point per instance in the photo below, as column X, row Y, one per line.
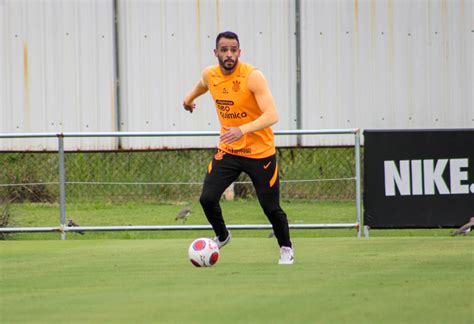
column 418, row 178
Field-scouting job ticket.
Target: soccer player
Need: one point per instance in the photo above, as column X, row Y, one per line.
column 246, row 110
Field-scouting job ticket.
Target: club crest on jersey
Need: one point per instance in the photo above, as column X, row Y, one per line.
column 219, row 155
column 236, row 86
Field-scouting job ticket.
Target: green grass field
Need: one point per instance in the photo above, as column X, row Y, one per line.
column 235, row 212
column 395, row 276
column 334, row 280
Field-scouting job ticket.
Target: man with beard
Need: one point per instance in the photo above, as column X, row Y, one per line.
column 246, row 110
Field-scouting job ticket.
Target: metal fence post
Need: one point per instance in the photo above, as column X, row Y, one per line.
column 358, row 191
column 62, row 191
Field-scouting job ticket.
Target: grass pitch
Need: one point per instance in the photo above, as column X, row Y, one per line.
column 334, row 280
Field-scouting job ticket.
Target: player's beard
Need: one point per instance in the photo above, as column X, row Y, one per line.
column 228, row 65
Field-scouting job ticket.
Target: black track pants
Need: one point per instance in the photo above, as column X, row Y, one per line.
column 225, row 169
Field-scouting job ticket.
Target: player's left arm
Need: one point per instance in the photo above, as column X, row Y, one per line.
column 258, row 85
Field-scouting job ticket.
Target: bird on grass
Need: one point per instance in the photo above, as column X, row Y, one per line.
column 72, row 223
column 465, row 229
column 183, row 214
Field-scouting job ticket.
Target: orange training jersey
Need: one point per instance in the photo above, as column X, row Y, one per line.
column 235, row 106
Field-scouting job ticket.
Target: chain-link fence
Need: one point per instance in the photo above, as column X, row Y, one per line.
column 171, row 175
column 167, row 175
column 29, row 177
column 306, row 173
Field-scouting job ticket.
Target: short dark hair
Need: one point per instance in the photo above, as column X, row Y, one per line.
column 227, row 34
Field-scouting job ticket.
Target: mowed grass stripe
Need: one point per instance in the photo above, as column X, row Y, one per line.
column 393, row 279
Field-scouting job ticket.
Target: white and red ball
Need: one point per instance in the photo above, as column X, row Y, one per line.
column 203, row 252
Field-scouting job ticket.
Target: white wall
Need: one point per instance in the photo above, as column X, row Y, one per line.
column 387, row 64
column 166, row 45
column 365, row 64
column 56, row 71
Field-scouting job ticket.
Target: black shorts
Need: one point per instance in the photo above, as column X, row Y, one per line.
column 225, row 168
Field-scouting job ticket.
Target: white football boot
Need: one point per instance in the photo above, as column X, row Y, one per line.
column 286, row 255
column 223, row 243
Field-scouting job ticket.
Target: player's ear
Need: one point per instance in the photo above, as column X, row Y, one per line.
column 215, row 52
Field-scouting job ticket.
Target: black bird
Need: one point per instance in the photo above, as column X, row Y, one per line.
column 72, row 223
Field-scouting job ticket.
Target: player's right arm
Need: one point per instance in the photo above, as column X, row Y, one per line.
column 200, row 88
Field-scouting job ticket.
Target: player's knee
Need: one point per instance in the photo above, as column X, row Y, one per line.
column 208, row 200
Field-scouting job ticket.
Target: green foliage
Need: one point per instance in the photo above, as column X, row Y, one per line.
column 328, row 172
column 28, row 176
column 164, row 175
column 5, row 219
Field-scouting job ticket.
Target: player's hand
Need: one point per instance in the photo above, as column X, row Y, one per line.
column 189, row 107
column 231, row 135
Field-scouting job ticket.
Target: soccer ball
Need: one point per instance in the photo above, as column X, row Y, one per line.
column 203, row 252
